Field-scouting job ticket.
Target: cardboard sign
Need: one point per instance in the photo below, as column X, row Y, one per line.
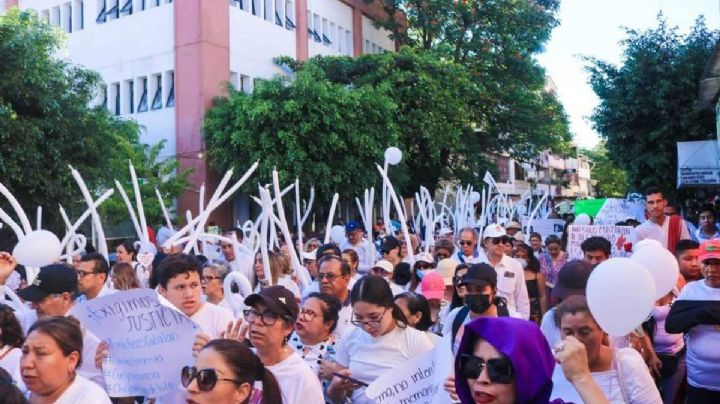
column 149, row 342
column 617, row 235
column 418, row 381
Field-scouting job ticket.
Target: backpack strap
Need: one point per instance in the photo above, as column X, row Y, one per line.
column 457, row 322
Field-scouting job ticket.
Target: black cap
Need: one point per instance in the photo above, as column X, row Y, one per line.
column 52, row 279
column 390, row 243
column 278, row 299
column 479, row 274
column 572, row 279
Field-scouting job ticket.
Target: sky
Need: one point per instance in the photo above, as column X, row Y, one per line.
column 595, row 28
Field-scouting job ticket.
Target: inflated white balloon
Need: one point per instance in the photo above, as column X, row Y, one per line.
column 582, row 219
column 393, row 155
column 37, row 249
column 621, row 295
column 237, row 300
column 648, row 242
column 661, row 264
column 337, row 234
column 474, row 197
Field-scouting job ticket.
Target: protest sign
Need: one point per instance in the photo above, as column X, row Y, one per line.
column 149, row 342
column 545, row 227
column 578, row 234
column 418, row 381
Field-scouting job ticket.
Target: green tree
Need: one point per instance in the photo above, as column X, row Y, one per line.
column 611, row 180
column 649, row 102
column 47, row 122
column 327, row 135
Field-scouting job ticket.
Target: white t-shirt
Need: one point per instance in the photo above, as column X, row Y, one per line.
column 344, row 316
column 368, row 357
column 298, row 383
column 11, row 363
column 212, row 319
column 638, row 383
column 83, row 391
column 703, row 341
column 651, row 230
column 289, row 284
column 511, row 284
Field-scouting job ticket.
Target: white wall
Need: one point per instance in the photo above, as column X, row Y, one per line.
column 378, row 37
column 130, row 47
column 335, row 21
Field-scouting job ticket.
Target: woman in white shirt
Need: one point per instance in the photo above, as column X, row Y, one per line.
column 280, row 271
column 622, row 374
column 11, row 339
column 381, row 341
column 50, row 355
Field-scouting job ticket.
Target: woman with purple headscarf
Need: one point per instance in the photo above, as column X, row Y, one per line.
column 507, row 360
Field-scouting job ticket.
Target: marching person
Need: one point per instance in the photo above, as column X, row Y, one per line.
column 363, row 247
column 668, row 230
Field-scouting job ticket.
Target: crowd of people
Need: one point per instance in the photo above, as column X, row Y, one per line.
column 510, row 307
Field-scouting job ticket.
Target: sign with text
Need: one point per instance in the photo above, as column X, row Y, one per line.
column 617, row 210
column 149, row 342
column 617, row 235
column 418, row 381
column 545, row 227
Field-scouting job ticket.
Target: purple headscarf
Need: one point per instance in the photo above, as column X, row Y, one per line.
column 527, row 348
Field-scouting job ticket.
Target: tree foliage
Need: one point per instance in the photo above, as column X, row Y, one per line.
column 47, row 122
column 649, row 102
column 611, row 180
column 325, row 134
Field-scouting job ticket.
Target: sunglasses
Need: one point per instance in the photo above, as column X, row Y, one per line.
column 497, row 240
column 499, row 370
column 206, row 378
column 465, row 242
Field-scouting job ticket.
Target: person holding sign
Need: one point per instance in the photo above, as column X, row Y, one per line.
column 382, row 340
column 225, row 372
column 51, row 355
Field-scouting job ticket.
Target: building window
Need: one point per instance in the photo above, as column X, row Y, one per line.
column 157, row 98
column 143, row 104
column 78, row 15
column 116, row 93
column 55, row 16
column 104, row 93
column 129, row 97
column 348, row 43
column 255, row 7
column 267, row 10
column 245, row 83
column 289, row 15
column 113, row 9
column 127, row 8
column 171, row 94
column 340, row 39
column 102, row 15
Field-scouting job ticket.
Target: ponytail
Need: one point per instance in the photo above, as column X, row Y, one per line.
column 271, row 389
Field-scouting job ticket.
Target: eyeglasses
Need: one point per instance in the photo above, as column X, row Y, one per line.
column 497, row 240
column 208, row 279
column 206, row 378
column 307, row 315
column 499, row 370
column 442, row 255
column 329, row 277
column 465, row 242
column 373, row 323
column 82, row 274
column 268, row 317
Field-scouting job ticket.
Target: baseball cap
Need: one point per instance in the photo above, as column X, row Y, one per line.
column 519, row 236
column 310, row 256
column 446, row 269
column 385, row 265
column 424, row 257
column 390, row 243
column 709, row 250
column 479, row 274
column 513, row 225
column 493, row 231
column 572, row 279
column 351, row 226
column 432, row 285
column 278, row 300
column 445, row 231
column 52, row 279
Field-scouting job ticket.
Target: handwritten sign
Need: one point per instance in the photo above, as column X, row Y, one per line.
column 617, row 210
column 149, row 342
column 417, row 381
column 577, row 234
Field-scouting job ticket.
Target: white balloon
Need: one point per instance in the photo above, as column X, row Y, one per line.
column 621, row 295
column 582, row 219
column 393, row 155
column 337, row 234
column 237, row 300
column 648, row 242
column 37, row 249
column 475, row 197
column 661, row 264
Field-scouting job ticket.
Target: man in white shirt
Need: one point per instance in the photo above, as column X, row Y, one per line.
column 333, row 278
column 511, row 276
column 92, row 273
column 362, row 246
column 657, row 226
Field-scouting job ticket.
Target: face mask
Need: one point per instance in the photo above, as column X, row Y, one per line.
column 419, row 274
column 477, row 303
column 522, row 261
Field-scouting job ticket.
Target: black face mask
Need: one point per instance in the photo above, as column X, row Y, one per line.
column 477, row 303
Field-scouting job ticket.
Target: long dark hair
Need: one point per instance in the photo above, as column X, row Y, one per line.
column 418, row 303
column 457, row 301
column 247, row 368
column 11, row 333
column 374, row 289
column 8, row 390
column 533, row 263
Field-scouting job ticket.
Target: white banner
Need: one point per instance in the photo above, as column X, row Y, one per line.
column 149, row 342
column 545, row 227
column 617, row 210
column 578, row 234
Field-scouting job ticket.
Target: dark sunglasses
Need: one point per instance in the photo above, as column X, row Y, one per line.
column 206, row 378
column 497, row 240
column 499, row 370
column 465, row 242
